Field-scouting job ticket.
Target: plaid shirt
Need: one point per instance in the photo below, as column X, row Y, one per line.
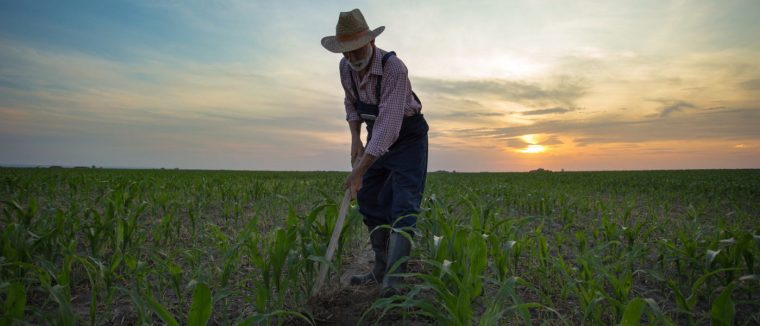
column 395, row 103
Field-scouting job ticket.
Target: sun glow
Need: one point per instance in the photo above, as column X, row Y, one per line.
column 530, row 139
column 532, row 149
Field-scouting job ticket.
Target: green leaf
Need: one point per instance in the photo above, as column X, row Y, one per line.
column 16, row 301
column 633, row 311
column 65, row 311
column 257, row 319
column 200, row 311
column 161, row 311
column 723, row 309
column 175, row 270
column 119, row 235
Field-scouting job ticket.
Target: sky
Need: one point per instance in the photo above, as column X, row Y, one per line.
column 505, row 85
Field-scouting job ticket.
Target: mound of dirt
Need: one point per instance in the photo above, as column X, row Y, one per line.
column 344, row 304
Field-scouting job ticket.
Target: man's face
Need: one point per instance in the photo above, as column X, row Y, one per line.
column 359, row 59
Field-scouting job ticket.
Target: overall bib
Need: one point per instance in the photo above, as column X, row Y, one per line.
column 392, row 187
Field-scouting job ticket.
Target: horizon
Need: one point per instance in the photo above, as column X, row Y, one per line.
column 506, row 87
column 33, row 166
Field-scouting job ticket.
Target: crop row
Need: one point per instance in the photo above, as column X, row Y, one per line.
column 197, row 247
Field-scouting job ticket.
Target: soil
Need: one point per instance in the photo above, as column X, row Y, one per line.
column 344, row 304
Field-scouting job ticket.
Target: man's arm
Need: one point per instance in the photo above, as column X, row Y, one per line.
column 360, row 161
column 354, row 122
column 357, row 147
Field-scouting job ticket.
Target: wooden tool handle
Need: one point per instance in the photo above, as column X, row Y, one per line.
column 333, row 242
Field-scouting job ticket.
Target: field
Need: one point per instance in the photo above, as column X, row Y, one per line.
column 98, row 246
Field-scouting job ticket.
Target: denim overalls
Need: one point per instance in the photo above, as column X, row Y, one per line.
column 392, row 187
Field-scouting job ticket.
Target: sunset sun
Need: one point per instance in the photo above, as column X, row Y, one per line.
column 533, row 149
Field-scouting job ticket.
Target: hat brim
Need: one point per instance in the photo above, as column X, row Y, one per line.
column 333, row 45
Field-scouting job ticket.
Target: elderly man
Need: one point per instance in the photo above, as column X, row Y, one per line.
column 389, row 175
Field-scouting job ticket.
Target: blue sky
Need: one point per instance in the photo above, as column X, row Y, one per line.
column 507, row 86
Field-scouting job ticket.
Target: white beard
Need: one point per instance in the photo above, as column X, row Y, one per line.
column 359, row 65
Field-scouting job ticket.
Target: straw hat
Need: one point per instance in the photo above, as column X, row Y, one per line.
column 351, row 33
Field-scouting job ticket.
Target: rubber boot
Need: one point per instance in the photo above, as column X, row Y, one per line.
column 379, row 240
column 399, row 247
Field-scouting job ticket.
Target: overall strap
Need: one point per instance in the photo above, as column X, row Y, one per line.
column 380, row 79
column 353, row 83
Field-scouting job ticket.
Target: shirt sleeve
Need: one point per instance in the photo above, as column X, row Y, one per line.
column 395, row 91
column 350, row 98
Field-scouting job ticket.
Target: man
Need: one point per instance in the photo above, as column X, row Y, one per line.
column 389, row 174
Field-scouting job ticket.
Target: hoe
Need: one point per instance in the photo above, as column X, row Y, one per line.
column 333, row 242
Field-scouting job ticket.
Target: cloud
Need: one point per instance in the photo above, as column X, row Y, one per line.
column 461, row 114
column 675, row 107
column 546, row 111
column 519, row 142
column 516, row 143
column 564, row 90
column 726, row 124
column 65, row 99
column 751, row 85
column 552, row 140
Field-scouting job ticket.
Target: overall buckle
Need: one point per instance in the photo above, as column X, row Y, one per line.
column 369, row 117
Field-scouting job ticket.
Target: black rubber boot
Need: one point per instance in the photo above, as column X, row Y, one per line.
column 379, row 240
column 399, row 247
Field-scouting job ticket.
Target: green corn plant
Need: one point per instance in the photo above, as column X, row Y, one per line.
column 201, row 307
column 37, row 276
column 94, row 276
column 564, row 272
column 582, row 240
column 723, row 310
column 159, row 309
column 631, row 234
column 543, row 249
column 311, row 241
column 275, row 264
column 138, row 303
column 588, row 290
column 456, row 283
column 444, row 308
column 123, row 209
column 175, row 271
column 314, row 234
column 621, row 287
column 497, row 306
column 687, row 304
column 732, row 253
column 500, row 253
column 194, row 214
column 14, row 304
column 96, row 232
column 164, row 231
column 65, row 314
column 635, row 309
column 261, row 318
column 544, row 262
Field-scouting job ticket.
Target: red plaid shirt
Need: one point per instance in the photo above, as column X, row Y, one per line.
column 396, row 100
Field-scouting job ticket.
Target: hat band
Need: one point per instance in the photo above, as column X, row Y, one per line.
column 351, row 37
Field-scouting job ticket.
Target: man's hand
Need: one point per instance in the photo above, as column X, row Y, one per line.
column 354, row 180
column 357, row 150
